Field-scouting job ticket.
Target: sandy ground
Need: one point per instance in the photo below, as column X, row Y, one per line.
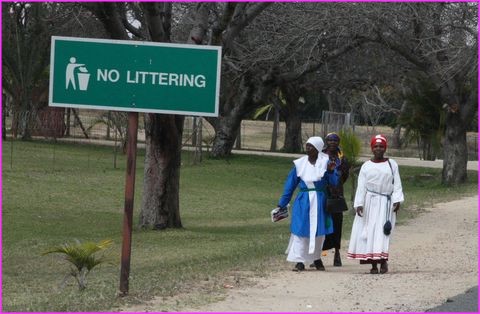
column 432, row 258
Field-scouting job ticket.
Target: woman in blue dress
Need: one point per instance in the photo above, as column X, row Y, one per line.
column 310, row 222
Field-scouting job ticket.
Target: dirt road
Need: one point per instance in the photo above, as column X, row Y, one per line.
column 432, row 258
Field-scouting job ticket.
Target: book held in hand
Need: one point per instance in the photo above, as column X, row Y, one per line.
column 279, row 213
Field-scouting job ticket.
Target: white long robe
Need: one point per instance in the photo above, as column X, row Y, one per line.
column 367, row 240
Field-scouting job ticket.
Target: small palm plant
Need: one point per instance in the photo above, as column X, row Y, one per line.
column 351, row 147
column 82, row 257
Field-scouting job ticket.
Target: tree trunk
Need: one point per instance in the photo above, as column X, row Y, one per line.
column 27, row 121
column 293, row 129
column 396, row 137
column 396, row 142
column 198, row 135
column 109, row 119
column 194, row 131
column 226, row 130
column 163, row 133
column 4, row 115
column 330, row 100
column 160, row 203
column 235, row 108
column 50, row 122
column 67, row 132
column 293, row 133
column 428, row 148
column 238, row 141
column 15, row 120
column 276, row 122
column 455, row 154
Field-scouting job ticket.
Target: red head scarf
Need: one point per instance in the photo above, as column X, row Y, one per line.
column 378, row 139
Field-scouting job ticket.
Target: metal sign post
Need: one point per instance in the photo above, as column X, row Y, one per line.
column 129, row 196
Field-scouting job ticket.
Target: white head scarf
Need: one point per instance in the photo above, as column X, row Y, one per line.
column 317, row 142
column 320, row 164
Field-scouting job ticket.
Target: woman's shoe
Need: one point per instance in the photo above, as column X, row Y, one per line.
column 319, row 265
column 299, row 267
column 337, row 261
column 374, row 269
column 384, row 267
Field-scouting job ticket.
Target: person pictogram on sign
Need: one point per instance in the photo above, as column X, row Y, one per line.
column 70, row 72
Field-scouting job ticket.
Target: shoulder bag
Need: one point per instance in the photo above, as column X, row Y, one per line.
column 336, row 205
column 387, row 227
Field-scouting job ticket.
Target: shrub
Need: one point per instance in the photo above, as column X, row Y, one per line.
column 82, row 257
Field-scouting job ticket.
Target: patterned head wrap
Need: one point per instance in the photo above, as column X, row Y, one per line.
column 317, row 142
column 378, row 139
column 332, row 137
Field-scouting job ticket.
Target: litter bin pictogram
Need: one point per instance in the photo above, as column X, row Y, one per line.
column 83, row 78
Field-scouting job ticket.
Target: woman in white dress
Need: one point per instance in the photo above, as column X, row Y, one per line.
column 377, row 199
column 310, row 222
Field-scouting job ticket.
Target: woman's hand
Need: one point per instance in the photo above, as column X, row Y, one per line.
column 359, row 210
column 331, row 165
column 396, row 207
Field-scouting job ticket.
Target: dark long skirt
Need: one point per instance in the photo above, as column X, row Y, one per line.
column 334, row 239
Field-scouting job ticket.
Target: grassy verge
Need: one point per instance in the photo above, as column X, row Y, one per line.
column 57, row 193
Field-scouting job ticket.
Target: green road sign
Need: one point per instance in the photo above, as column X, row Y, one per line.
column 134, row 76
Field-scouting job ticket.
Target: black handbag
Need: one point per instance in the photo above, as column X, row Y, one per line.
column 336, row 205
column 387, row 227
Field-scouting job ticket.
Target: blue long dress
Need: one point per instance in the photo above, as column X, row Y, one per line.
column 307, row 238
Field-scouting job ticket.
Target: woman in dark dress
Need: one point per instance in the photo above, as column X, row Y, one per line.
column 335, row 154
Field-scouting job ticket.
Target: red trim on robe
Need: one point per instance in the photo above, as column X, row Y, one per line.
column 368, row 256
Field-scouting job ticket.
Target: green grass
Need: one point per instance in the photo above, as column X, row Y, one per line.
column 57, row 193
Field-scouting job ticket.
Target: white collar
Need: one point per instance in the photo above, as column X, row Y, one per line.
column 320, row 166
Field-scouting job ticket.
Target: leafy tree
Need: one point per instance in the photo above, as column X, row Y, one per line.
column 241, row 87
column 25, row 57
column 424, row 119
column 440, row 41
column 26, row 32
column 296, row 40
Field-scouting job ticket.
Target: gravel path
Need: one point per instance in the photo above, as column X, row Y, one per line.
column 432, row 258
